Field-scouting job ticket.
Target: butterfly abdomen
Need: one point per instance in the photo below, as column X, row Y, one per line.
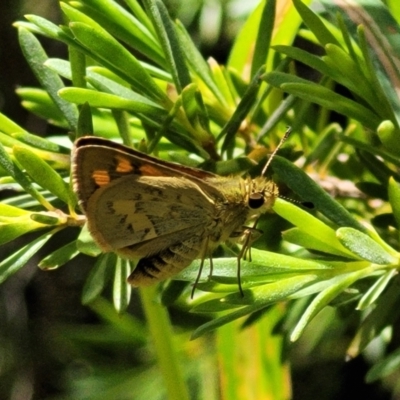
column 166, row 263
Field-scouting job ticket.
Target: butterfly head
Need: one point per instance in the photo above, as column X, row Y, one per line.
column 261, row 194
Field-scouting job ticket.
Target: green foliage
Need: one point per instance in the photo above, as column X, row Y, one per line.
column 135, row 75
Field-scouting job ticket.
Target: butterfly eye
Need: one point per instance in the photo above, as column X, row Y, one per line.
column 256, row 200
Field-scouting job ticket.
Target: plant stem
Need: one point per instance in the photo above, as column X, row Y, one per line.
column 161, row 332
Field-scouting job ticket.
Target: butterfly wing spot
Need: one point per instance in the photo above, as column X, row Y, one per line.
column 110, row 207
column 123, row 165
column 150, row 170
column 146, row 230
column 130, row 229
column 101, row 177
column 123, row 220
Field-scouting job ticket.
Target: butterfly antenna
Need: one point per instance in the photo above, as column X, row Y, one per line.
column 283, row 140
column 305, row 204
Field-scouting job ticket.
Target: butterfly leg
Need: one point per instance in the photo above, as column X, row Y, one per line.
column 249, row 235
column 203, row 256
column 211, row 267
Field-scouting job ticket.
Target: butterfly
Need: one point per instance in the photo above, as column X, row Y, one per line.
column 161, row 213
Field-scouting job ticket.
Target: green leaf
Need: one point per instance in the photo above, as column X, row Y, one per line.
column 318, row 240
column 85, row 121
column 59, row 257
column 169, row 43
column 126, row 325
column 11, row 211
column 306, row 58
column 315, row 24
column 17, row 260
column 373, row 190
column 337, row 286
column 325, row 147
column 195, row 110
column 394, row 199
column 213, row 306
column 197, row 62
column 389, row 136
column 48, row 218
column 111, row 84
column 361, row 244
column 308, row 190
column 372, row 149
column 45, row 27
column 156, row 134
column 60, row 66
column 376, row 290
column 97, row 99
column 324, row 97
column 285, row 30
column 119, row 22
column 38, row 102
column 221, row 79
column 121, row 289
column 263, row 265
column 8, row 126
column 58, row 160
column 77, row 60
column 13, row 228
column 385, row 367
column 378, row 168
column 346, row 69
column 278, row 115
column 379, row 318
column 378, row 36
column 40, row 143
column 138, row 11
column 386, row 99
column 101, row 44
column 15, row 172
column 36, row 56
column 243, row 47
column 264, row 36
column 263, row 296
column 98, row 277
column 43, row 174
column 246, row 103
column 122, row 121
column 86, row 244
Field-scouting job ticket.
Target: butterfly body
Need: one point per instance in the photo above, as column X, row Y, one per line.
column 162, row 213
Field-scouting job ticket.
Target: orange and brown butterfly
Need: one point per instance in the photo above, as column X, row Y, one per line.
column 161, row 213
